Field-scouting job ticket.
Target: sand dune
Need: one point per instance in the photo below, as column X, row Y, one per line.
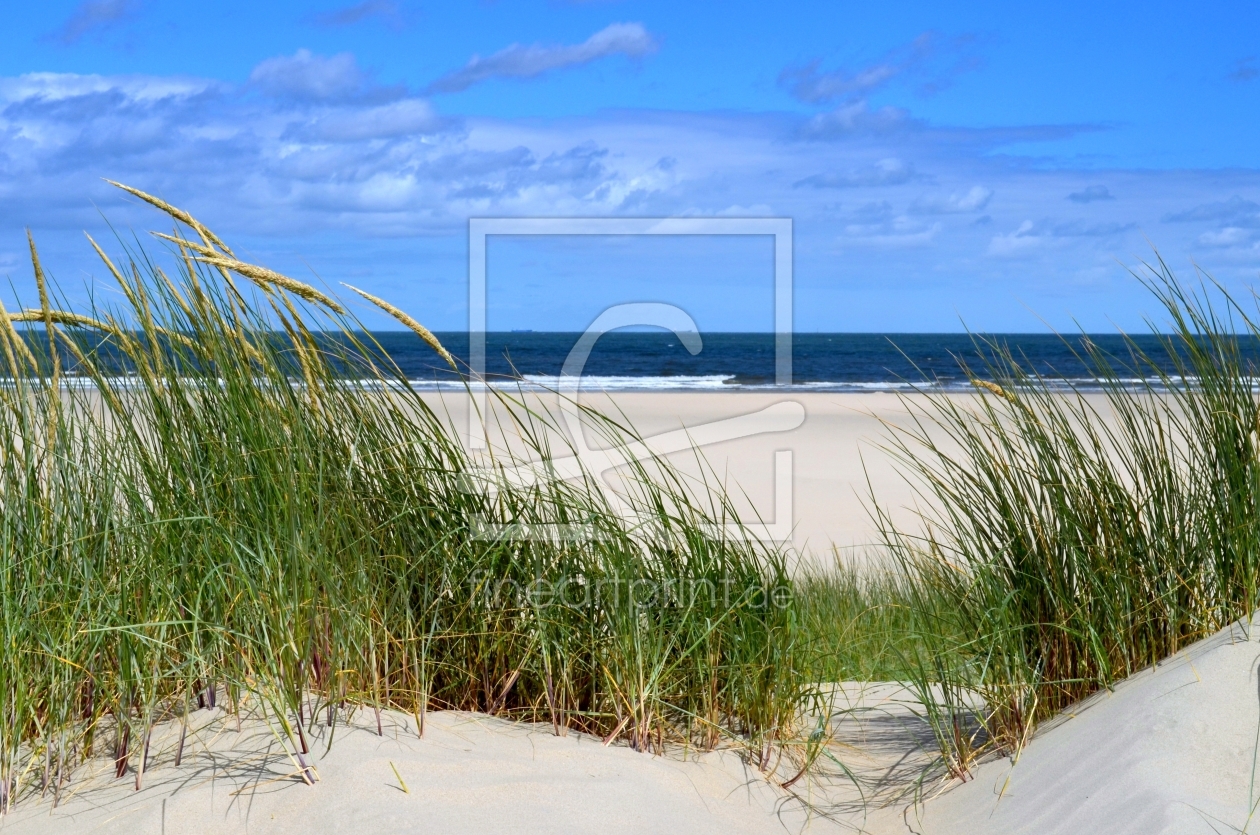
column 469, row 774
column 1172, row 750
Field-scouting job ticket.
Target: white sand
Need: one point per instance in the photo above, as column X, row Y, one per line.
column 834, row 452
column 472, row 773
column 469, row 774
column 1171, row 750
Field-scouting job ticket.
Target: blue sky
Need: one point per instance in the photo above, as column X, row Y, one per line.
column 982, row 162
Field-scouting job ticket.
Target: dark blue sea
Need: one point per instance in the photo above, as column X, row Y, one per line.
column 624, row 360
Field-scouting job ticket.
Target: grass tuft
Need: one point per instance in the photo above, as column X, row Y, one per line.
column 221, row 496
column 1075, row 537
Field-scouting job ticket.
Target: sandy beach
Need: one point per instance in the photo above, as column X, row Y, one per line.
column 835, row 459
column 1172, row 749
column 470, row 773
column 1168, row 752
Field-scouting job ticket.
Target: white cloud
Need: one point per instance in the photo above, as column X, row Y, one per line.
column 1090, row 229
column 1023, row 239
column 51, row 87
column 350, row 124
column 1230, row 236
column 1030, row 235
column 854, row 119
column 892, row 235
column 305, row 76
column 517, row 61
column 352, row 173
column 1236, row 211
column 973, row 199
column 878, row 223
column 755, row 210
column 1235, row 222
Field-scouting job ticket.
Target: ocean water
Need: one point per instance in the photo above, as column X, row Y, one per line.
column 629, row 360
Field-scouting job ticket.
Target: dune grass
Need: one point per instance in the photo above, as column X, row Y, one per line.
column 1074, row 538
column 862, row 622
column 219, row 490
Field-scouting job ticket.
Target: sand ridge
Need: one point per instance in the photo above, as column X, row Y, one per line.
column 470, row 773
column 1173, row 749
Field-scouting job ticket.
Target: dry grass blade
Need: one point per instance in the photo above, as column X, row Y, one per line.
column 61, row 317
column 179, row 214
column 108, row 263
column 15, row 339
column 262, row 275
column 64, row 317
column 200, row 249
column 42, row 283
column 994, row 388
column 419, row 329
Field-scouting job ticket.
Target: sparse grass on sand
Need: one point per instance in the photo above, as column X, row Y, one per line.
column 1071, row 541
column 221, row 489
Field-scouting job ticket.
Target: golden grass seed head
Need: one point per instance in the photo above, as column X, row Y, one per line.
column 417, row 328
column 994, row 388
column 262, row 275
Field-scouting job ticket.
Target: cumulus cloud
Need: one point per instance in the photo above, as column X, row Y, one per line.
column 1090, row 193
column 973, row 199
column 1023, row 239
column 327, row 171
column 877, row 223
column 898, row 235
column 50, row 87
column 517, row 61
column 931, row 58
column 579, row 171
column 305, row 76
column 387, row 11
column 1237, row 222
column 1087, row 229
column 889, row 171
column 316, row 157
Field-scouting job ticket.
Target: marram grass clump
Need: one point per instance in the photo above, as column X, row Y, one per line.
column 1074, row 537
column 220, row 490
